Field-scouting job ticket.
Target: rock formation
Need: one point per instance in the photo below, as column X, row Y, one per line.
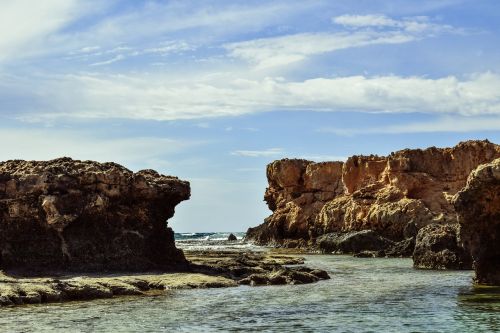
column 393, row 196
column 84, row 215
column 478, row 206
column 437, row 247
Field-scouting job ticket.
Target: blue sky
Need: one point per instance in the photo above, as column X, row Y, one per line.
column 212, row 91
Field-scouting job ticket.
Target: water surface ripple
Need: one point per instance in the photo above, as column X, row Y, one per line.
column 364, row 295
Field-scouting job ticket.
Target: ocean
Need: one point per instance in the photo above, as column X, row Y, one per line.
column 363, row 295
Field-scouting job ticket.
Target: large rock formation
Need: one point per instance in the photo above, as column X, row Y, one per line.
column 84, row 215
column 478, row 206
column 394, row 196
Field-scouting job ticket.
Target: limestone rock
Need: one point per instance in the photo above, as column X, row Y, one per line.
column 84, row 215
column 478, row 206
column 394, row 196
column 437, row 247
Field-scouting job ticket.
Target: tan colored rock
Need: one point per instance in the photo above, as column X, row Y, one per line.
column 394, row 195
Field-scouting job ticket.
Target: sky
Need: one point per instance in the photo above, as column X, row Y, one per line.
column 213, row 91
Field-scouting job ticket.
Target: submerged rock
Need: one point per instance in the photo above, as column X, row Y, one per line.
column 84, row 215
column 232, row 238
column 478, row 206
column 353, row 242
column 437, row 247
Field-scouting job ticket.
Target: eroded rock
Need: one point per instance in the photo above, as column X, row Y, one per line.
column 478, row 206
column 84, row 215
column 394, row 196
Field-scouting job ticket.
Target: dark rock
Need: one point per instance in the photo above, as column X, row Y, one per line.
column 352, row 242
column 84, row 215
column 402, row 249
column 369, row 254
column 437, row 247
column 232, row 238
column 478, row 207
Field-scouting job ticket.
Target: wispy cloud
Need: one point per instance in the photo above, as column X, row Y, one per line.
column 259, row 153
column 283, row 50
column 416, row 24
column 109, row 61
column 440, row 125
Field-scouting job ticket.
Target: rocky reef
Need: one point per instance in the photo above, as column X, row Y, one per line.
column 83, row 215
column 393, row 196
column 478, row 206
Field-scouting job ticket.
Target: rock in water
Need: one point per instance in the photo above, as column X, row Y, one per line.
column 478, row 207
column 353, row 242
column 437, row 247
column 84, row 215
column 393, row 196
column 232, row 238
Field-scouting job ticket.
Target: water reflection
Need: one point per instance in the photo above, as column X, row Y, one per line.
column 478, row 309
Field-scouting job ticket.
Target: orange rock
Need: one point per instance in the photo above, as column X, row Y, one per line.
column 406, row 190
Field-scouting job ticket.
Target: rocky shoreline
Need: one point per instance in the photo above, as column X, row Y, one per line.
column 413, row 203
column 205, row 269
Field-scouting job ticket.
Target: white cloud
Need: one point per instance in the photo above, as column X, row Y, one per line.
column 109, row 61
column 259, row 153
column 279, row 51
column 284, row 50
column 27, row 27
column 410, row 24
column 455, row 124
column 163, row 98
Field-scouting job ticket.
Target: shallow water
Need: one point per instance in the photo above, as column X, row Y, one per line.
column 364, row 295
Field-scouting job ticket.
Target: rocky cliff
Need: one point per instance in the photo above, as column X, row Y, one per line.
column 84, row 215
column 395, row 195
column 478, row 206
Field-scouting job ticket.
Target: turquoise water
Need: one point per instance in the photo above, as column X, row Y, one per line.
column 364, row 295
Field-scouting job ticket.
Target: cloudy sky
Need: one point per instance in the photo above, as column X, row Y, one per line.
column 212, row 91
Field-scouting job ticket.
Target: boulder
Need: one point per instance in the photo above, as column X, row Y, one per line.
column 437, row 247
column 478, row 207
column 84, row 215
column 353, row 242
column 232, row 238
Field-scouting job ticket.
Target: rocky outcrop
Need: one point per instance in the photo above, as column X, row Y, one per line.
column 394, row 196
column 84, row 215
column 437, row 247
column 478, row 206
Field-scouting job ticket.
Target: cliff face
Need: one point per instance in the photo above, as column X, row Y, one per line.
column 478, row 206
column 83, row 215
column 394, row 195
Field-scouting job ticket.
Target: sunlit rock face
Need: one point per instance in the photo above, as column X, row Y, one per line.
column 393, row 195
column 478, row 207
column 84, row 215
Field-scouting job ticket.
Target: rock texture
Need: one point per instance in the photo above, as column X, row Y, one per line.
column 437, row 247
column 393, row 196
column 478, row 206
column 84, row 215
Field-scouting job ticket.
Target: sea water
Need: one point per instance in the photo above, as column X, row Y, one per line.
column 363, row 295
